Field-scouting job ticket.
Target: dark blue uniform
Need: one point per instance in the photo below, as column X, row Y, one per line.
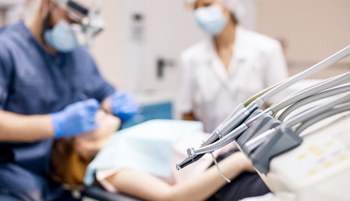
column 34, row 82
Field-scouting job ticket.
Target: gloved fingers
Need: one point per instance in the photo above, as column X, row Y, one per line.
column 91, row 108
column 123, row 105
column 90, row 126
column 122, row 97
column 91, row 105
column 76, row 119
column 107, row 125
column 90, row 143
column 90, row 122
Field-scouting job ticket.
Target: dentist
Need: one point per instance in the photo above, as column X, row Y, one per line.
column 50, row 88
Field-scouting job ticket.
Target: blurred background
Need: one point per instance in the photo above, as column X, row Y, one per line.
column 143, row 40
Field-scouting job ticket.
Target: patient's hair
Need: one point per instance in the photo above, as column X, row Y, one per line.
column 67, row 166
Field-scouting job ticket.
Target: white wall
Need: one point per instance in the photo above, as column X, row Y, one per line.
column 129, row 60
column 312, row 29
column 168, row 30
column 107, row 48
column 14, row 10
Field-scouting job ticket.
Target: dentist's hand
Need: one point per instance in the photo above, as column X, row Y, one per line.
column 75, row 119
column 123, row 106
column 89, row 144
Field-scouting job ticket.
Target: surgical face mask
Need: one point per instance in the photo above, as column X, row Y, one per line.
column 62, row 37
column 211, row 19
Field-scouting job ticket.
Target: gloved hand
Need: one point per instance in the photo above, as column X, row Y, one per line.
column 123, row 106
column 75, row 119
column 89, row 144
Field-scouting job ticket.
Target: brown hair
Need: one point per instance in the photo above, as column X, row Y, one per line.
column 67, row 166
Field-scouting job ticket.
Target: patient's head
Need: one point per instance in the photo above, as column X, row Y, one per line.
column 70, row 156
column 90, row 143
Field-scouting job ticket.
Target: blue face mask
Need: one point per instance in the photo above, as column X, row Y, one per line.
column 211, row 19
column 62, row 37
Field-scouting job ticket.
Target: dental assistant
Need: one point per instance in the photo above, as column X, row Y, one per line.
column 50, row 88
column 228, row 67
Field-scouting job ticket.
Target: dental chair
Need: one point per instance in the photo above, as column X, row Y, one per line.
column 96, row 193
column 295, row 164
column 274, row 139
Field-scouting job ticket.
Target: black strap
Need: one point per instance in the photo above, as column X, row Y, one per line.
column 78, row 7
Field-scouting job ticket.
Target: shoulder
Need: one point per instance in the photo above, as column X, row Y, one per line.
column 17, row 34
column 6, row 41
column 13, row 39
column 259, row 41
column 6, row 47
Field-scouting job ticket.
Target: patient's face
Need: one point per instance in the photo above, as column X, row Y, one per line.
column 90, row 143
column 101, row 117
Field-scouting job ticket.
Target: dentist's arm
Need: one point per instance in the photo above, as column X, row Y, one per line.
column 75, row 119
column 21, row 128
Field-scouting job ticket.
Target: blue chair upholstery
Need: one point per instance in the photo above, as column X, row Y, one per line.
column 147, row 112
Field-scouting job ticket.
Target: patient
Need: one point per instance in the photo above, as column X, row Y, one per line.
column 145, row 186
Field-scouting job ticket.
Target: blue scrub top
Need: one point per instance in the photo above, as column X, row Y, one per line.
column 32, row 81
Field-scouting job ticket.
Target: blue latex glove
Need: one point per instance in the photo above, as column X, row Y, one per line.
column 75, row 119
column 123, row 106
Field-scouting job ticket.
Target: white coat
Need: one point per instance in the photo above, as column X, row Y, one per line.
column 210, row 91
